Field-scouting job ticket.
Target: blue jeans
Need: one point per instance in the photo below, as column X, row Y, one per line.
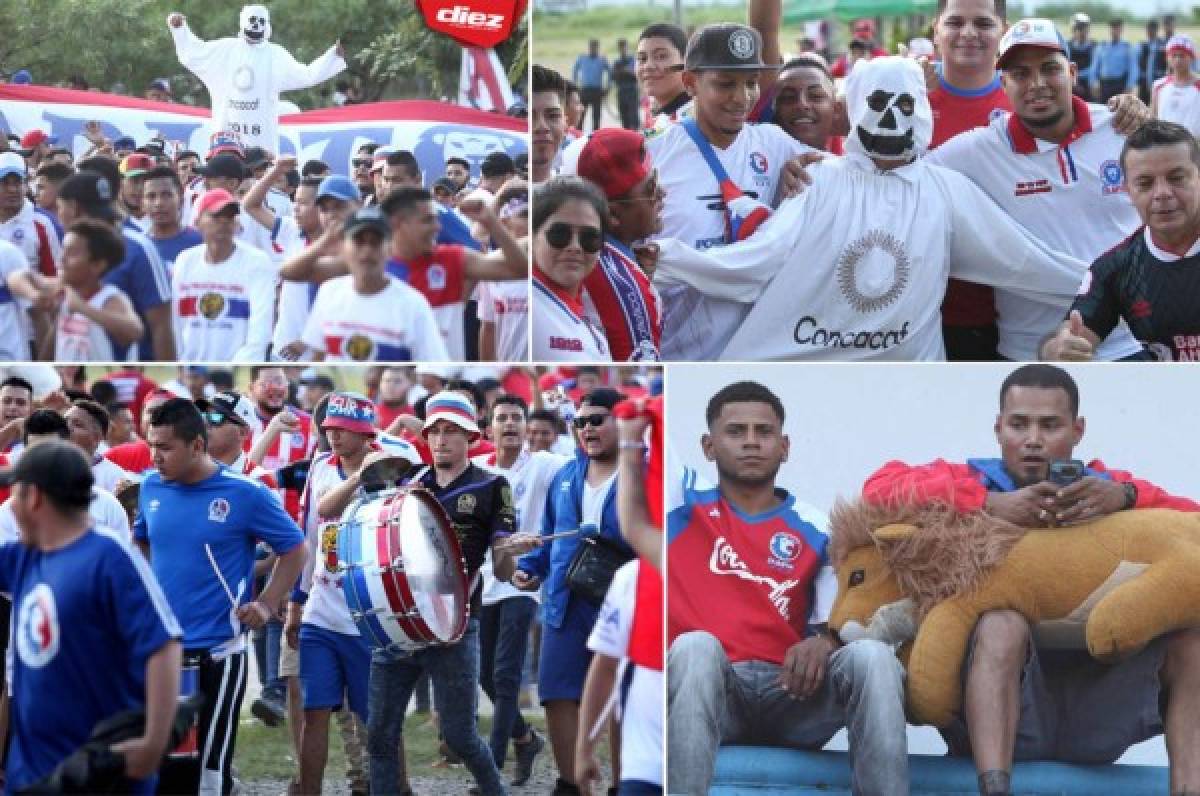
column 274, row 688
column 454, row 670
column 503, row 639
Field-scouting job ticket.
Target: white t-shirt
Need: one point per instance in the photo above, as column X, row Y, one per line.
column 561, row 333
column 506, row 304
column 223, row 312
column 295, row 298
column 1179, row 103
column 529, row 478
column 108, row 474
column 77, row 338
column 395, row 324
column 855, row 267
column 14, row 343
column 326, row 605
column 105, row 510
column 1070, row 198
column 593, row 501
column 696, row 326
column 642, row 713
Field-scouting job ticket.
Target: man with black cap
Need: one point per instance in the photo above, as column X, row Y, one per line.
column 91, row 626
column 225, row 171
column 720, row 175
column 229, row 417
column 223, row 292
column 141, row 275
column 368, row 314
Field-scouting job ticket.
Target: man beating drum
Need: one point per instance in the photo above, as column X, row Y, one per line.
column 480, row 507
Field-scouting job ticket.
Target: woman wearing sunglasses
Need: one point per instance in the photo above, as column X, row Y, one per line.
column 568, row 233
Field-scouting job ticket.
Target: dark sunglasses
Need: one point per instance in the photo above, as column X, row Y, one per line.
column 361, row 164
column 559, row 235
column 583, row 421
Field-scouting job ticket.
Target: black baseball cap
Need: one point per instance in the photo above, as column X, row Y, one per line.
column 257, row 156
column 223, row 165
column 230, row 403
column 92, row 191
column 370, row 218
column 497, row 164
column 57, row 468
column 725, row 45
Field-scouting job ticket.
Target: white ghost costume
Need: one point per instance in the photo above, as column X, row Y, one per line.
column 245, row 75
column 855, row 267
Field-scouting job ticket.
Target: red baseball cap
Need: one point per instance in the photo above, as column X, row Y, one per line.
column 214, row 201
column 615, row 160
column 137, row 164
column 35, row 137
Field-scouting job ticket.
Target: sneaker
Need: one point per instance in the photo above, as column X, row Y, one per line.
column 564, row 788
column 450, row 757
column 269, row 713
column 525, row 754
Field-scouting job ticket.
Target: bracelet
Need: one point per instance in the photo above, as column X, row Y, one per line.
column 629, row 445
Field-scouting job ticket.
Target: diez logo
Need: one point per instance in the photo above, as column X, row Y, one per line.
column 473, row 23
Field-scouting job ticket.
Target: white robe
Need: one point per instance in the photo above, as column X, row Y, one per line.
column 245, row 81
column 855, row 267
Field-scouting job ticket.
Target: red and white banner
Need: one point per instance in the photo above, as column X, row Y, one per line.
column 432, row 131
column 482, row 82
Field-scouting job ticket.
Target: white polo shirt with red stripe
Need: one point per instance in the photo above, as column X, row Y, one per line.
column 565, row 328
column 14, row 343
column 34, row 235
column 1179, row 102
column 506, row 305
column 1069, row 195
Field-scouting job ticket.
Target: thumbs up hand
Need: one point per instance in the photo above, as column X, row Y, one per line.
column 1074, row 342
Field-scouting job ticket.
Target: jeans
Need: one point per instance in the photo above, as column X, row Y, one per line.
column 454, row 670
column 503, row 639
column 713, row 702
column 274, row 688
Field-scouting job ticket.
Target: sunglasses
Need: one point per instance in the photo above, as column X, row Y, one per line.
column 216, row 419
column 361, row 164
column 559, row 235
column 595, row 421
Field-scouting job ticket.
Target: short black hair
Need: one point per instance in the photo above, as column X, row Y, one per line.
column 187, row 153
column 545, row 79
column 460, row 161
column 557, row 191
column 808, row 61
column 665, row 30
column 402, row 201
column 165, row 173
column 115, row 408
column 98, row 413
column 470, row 388
column 547, row 416
column 55, row 171
column 1043, row 376
column 255, row 370
column 43, row 422
column 1155, row 133
column 369, row 147
column 17, row 381
column 742, row 392
column 409, row 161
column 183, row 417
column 312, row 168
column 106, row 167
column 103, row 242
column 1000, row 7
column 510, row 399
column 103, row 392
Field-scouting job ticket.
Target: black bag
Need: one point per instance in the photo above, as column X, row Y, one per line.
column 593, row 566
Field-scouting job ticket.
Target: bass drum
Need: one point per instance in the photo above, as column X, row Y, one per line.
column 403, row 571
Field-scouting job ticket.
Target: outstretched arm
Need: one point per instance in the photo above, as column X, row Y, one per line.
column 294, row 75
column 204, row 58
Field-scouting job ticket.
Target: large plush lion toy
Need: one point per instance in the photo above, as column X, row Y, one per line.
column 1116, row 584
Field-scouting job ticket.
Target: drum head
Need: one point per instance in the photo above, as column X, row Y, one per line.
column 432, row 565
column 384, row 473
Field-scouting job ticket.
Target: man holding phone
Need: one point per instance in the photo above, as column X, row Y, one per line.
column 1025, row 698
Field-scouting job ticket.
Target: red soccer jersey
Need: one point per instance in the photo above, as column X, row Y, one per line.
column 384, row 414
column 956, row 111
column 745, row 579
column 132, row 388
column 440, row 277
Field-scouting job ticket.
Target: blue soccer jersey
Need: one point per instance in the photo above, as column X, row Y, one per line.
column 86, row 618
column 229, row 513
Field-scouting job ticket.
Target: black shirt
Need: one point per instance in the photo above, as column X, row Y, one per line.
column 1160, row 301
column 480, row 505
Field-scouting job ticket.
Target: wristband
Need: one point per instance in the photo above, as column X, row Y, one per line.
column 628, row 445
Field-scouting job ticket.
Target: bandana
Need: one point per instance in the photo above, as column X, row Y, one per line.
column 255, row 23
column 889, row 111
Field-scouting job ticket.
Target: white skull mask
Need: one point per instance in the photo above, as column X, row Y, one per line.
column 889, row 111
column 255, row 22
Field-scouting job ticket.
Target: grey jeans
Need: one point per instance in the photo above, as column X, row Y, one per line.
column 713, row 702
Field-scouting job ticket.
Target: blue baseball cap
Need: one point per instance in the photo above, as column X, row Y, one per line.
column 336, row 186
column 22, row 77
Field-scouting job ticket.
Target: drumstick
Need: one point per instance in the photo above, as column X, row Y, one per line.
column 212, row 560
column 561, row 535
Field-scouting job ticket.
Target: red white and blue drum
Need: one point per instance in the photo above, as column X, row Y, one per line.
column 402, row 570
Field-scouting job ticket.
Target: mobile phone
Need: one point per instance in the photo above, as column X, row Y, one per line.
column 1065, row 471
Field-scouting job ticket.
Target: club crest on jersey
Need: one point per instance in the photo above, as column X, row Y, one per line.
column 758, row 162
column 359, row 347
column 211, row 305
column 218, row 510
column 1111, row 177
column 465, row 504
column 785, row 549
column 996, row 114
column 18, row 235
column 437, row 277
column 38, row 633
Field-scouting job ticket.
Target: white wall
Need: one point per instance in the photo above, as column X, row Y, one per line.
column 846, row 420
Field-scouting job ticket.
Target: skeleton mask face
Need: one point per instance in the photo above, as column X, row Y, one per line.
column 889, row 110
column 255, row 23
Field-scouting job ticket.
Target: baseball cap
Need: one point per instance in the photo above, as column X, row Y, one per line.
column 453, row 407
column 350, row 411
column 725, row 45
column 225, row 141
column 55, row 467
column 12, row 163
column 125, row 142
column 137, row 164
column 35, row 137
column 1030, row 33
column 1181, row 43
column 338, row 187
column 1081, row 19
column 161, row 84
column 497, row 164
column 367, row 218
column 92, row 190
column 22, row 77
column 614, row 159
column 215, row 201
column 446, row 184
column 233, row 405
column 223, row 165
column 310, row 377
column 256, row 156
